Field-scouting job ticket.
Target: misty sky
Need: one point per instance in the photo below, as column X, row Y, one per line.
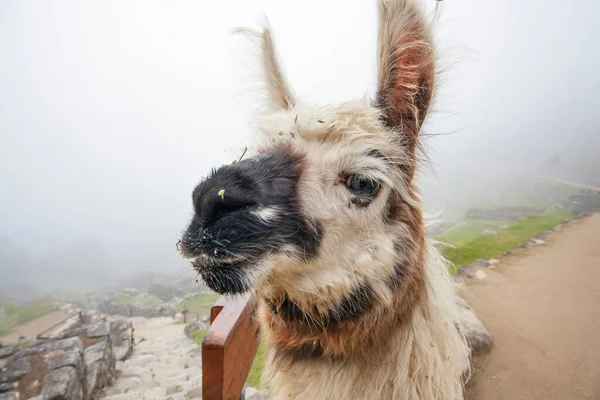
column 112, row 111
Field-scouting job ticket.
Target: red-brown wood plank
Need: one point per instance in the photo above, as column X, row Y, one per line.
column 229, row 348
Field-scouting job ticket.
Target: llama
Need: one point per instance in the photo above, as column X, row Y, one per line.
column 323, row 224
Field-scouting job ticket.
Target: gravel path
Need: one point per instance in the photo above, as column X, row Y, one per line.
column 166, row 364
column 543, row 310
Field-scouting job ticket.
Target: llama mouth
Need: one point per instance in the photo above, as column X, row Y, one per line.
column 224, row 277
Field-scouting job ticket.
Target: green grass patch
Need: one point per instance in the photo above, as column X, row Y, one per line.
column 198, row 335
column 257, row 368
column 143, row 298
column 15, row 315
column 469, row 229
column 518, row 232
column 198, row 305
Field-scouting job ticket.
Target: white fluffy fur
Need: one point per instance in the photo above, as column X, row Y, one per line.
column 425, row 361
column 357, row 246
column 267, row 213
column 428, row 356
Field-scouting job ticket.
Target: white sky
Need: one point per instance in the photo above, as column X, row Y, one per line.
column 112, row 111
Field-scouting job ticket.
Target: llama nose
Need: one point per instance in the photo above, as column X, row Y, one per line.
column 227, row 192
column 223, row 206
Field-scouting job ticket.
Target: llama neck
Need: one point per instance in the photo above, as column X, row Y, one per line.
column 303, row 326
column 336, row 334
column 420, row 355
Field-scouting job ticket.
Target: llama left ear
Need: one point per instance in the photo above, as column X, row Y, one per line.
column 405, row 60
column 280, row 96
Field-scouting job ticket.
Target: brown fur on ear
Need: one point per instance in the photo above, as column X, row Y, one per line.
column 279, row 92
column 406, row 70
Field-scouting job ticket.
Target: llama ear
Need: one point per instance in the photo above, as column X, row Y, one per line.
column 405, row 61
column 280, row 96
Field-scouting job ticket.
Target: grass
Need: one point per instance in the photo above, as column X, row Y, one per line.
column 198, row 305
column 257, row 365
column 143, row 298
column 469, row 229
column 15, row 315
column 467, row 251
column 198, row 335
column 257, row 368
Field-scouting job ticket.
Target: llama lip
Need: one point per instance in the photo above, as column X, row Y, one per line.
column 204, row 262
column 224, row 277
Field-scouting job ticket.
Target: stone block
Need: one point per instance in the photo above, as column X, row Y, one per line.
column 15, row 370
column 8, row 386
column 73, row 343
column 99, row 329
column 62, row 384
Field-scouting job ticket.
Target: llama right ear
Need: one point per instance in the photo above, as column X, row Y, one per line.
column 406, row 69
column 280, row 96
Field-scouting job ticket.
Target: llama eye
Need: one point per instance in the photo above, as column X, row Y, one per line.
column 361, row 185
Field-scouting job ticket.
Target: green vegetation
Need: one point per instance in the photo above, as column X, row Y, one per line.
column 257, row 366
column 198, row 335
column 467, row 248
column 143, row 298
column 15, row 315
column 469, row 229
column 198, row 305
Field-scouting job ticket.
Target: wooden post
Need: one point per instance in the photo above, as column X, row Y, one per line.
column 229, row 348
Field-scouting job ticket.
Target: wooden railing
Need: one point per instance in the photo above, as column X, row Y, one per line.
column 229, row 348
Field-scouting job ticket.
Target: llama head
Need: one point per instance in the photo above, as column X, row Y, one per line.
column 325, row 207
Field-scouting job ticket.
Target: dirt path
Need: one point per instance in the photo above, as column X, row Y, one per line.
column 34, row 326
column 543, row 310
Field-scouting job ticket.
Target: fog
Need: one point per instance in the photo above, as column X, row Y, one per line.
column 112, row 111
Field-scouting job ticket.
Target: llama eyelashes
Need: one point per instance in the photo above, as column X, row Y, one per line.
column 362, row 186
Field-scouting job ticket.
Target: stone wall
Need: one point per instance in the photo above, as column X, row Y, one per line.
column 77, row 364
column 163, row 292
column 584, row 203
